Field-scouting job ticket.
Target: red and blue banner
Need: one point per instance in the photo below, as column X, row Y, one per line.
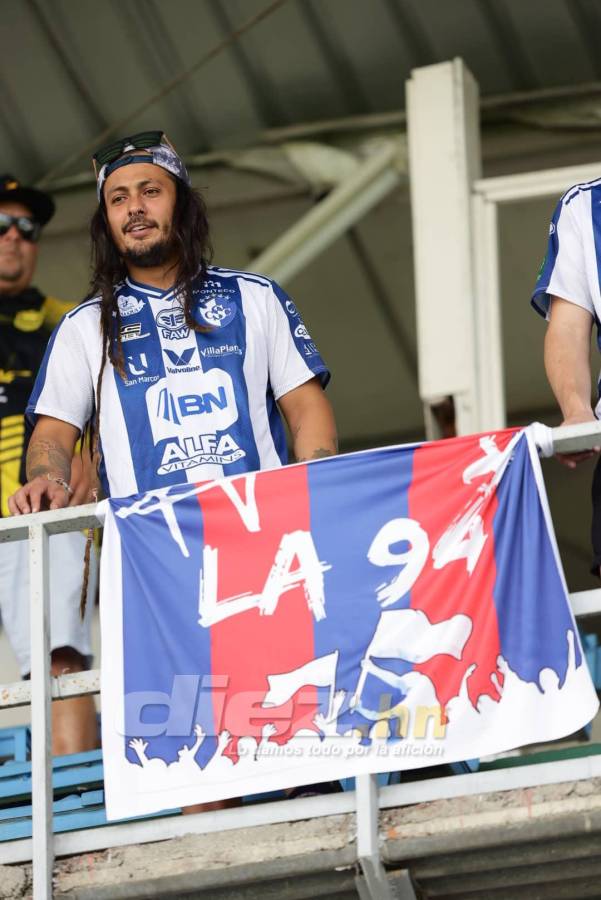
column 383, row 610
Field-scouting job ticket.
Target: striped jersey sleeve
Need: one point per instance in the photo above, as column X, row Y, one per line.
column 292, row 354
column 563, row 272
column 64, row 387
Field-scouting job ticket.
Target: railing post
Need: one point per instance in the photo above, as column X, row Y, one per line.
column 372, row 883
column 41, row 756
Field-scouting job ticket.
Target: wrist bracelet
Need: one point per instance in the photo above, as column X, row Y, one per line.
column 58, row 480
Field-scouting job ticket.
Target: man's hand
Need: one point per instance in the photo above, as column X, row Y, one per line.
column 571, row 460
column 49, row 457
column 38, row 495
column 567, row 353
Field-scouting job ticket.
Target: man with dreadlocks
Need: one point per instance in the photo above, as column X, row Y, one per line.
column 177, row 367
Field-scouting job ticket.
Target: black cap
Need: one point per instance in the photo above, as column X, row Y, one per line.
column 40, row 205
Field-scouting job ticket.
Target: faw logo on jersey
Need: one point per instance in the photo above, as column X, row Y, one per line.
column 129, row 306
column 217, row 312
column 172, row 323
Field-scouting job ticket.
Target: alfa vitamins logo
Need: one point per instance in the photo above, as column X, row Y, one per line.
column 189, row 452
column 129, row 306
column 172, row 324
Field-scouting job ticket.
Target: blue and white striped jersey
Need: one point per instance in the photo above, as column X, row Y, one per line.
column 571, row 268
column 194, row 405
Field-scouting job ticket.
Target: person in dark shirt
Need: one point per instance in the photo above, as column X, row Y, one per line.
column 27, row 318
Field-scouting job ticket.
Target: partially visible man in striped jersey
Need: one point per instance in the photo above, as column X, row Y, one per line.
column 27, row 318
column 181, row 369
column 568, row 294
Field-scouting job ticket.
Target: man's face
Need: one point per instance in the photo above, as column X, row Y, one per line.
column 140, row 200
column 17, row 256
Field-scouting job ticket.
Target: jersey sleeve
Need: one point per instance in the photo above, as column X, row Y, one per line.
column 63, row 388
column 292, row 354
column 563, row 270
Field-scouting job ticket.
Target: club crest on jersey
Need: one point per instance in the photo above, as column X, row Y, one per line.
column 129, row 306
column 217, row 312
column 172, row 323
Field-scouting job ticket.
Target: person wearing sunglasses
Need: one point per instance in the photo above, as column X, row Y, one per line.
column 27, row 317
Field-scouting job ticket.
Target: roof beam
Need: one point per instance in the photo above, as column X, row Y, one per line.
column 372, row 180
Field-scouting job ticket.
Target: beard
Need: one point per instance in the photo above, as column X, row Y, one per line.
column 159, row 253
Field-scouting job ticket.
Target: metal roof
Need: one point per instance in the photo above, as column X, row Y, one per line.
column 264, row 74
column 69, row 72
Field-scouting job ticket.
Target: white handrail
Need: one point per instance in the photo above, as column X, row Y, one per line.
column 37, row 527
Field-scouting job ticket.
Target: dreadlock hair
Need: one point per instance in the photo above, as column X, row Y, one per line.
column 190, row 234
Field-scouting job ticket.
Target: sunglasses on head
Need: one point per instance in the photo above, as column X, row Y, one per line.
column 141, row 141
column 28, row 228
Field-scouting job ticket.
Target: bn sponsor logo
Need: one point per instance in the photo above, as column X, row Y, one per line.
column 174, row 409
column 209, row 399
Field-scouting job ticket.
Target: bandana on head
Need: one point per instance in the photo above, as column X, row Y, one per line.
column 162, row 155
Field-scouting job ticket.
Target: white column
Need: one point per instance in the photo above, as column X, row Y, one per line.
column 490, row 379
column 444, row 163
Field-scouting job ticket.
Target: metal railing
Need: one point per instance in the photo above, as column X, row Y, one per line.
column 43, row 846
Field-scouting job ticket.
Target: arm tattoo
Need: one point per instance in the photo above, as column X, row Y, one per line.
column 320, row 453
column 45, row 457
